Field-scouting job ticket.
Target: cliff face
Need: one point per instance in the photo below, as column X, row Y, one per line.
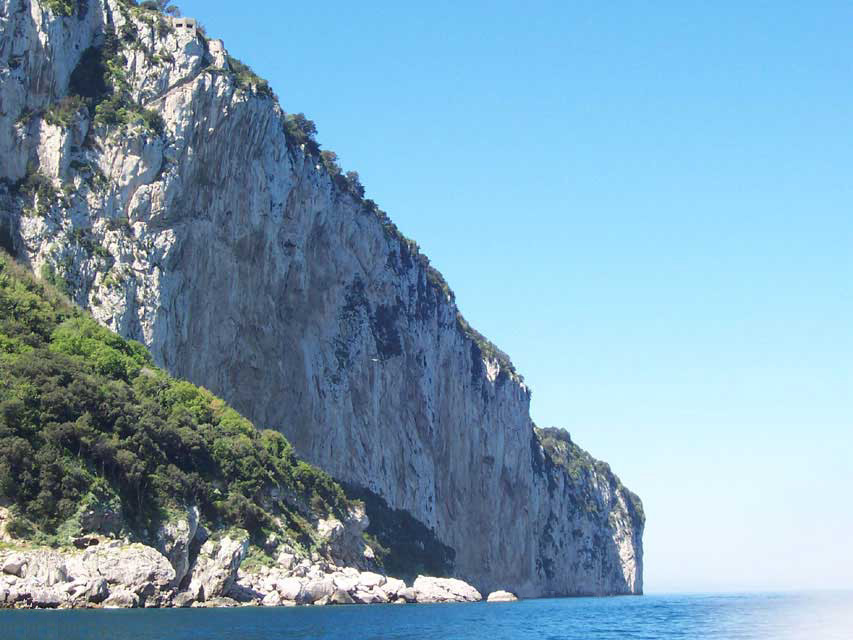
column 226, row 246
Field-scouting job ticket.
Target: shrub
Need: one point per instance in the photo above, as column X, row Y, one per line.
column 354, row 183
column 109, row 355
column 487, row 348
column 300, row 130
column 49, row 275
column 162, row 6
column 153, row 121
column 129, row 32
column 26, row 117
column 99, row 79
column 247, row 79
column 62, row 8
column 330, row 161
column 62, row 113
column 39, row 190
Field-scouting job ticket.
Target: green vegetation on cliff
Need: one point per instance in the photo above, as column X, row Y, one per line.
column 88, row 425
column 100, row 82
column 581, row 466
column 62, row 8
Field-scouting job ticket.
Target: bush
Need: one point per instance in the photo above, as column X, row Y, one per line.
column 39, row 190
column 247, row 79
column 354, row 184
column 300, row 130
column 62, row 8
column 62, row 113
column 163, row 6
column 330, row 161
column 153, row 121
column 99, row 81
column 109, row 355
column 48, row 274
column 129, row 32
column 487, row 348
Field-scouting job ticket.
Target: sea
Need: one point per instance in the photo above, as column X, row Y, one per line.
column 780, row 616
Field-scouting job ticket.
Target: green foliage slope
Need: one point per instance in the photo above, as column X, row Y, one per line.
column 581, row 467
column 86, row 419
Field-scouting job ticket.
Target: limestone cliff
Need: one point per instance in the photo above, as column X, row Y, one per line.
column 159, row 180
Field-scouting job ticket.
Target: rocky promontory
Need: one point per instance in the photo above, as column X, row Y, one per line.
column 154, row 179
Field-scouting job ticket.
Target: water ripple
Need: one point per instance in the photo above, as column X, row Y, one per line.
column 813, row 616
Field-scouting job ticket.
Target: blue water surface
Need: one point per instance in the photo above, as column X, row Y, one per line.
column 808, row 616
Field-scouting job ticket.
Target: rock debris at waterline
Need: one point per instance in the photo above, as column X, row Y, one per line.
column 113, row 574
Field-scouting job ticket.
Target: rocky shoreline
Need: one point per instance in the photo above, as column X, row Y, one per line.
column 113, row 574
column 189, row 566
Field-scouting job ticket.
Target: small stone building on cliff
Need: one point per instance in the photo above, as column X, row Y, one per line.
column 187, row 25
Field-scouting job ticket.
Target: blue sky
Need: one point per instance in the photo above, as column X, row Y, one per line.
column 648, row 206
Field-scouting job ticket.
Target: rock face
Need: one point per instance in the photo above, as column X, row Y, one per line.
column 247, row 267
column 344, row 540
column 112, row 574
column 174, row 539
column 216, row 567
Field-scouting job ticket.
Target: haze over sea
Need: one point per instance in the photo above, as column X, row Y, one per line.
column 790, row 616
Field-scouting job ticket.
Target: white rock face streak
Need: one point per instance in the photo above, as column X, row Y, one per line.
column 232, row 253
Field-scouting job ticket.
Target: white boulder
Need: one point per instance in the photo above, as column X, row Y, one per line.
column 444, row 590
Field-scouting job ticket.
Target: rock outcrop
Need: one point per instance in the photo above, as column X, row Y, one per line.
column 4, row 522
column 195, row 218
column 215, row 569
column 345, row 540
column 444, row 590
column 501, row 596
column 113, row 574
column 174, row 539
